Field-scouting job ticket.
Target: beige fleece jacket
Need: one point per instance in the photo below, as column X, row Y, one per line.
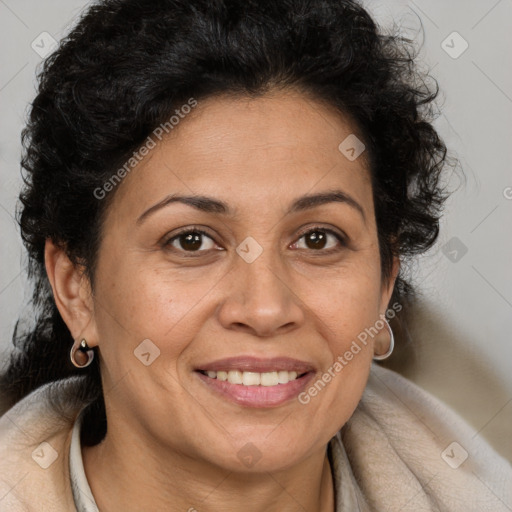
column 402, row 450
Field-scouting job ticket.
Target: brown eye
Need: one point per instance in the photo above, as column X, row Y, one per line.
column 318, row 239
column 191, row 241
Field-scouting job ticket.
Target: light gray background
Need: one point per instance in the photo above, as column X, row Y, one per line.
column 461, row 327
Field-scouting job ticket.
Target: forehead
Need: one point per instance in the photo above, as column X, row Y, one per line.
column 251, row 153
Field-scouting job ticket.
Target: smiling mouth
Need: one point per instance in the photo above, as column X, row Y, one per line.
column 246, row 378
column 256, row 382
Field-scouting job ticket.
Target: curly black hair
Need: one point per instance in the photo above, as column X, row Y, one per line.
column 127, row 64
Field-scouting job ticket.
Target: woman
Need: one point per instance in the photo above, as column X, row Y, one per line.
column 219, row 197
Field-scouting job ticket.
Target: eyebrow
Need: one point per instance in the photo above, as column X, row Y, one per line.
column 212, row 205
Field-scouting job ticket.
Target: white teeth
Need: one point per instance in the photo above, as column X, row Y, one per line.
column 235, row 377
column 250, row 378
column 254, row 378
column 269, row 379
column 282, row 377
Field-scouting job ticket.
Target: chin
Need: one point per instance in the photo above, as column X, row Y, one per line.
column 260, row 451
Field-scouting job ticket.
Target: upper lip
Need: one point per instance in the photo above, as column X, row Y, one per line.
column 256, row 364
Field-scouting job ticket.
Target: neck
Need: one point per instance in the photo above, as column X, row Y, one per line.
column 164, row 480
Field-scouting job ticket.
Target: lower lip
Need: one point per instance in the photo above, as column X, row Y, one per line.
column 258, row 396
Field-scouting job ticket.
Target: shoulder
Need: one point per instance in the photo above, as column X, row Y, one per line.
column 407, row 447
column 34, row 448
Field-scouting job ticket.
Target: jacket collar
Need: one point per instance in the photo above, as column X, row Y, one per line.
column 402, row 449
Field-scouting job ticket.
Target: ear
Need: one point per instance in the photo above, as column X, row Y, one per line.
column 72, row 293
column 388, row 285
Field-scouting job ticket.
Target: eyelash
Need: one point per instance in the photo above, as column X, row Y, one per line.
column 193, row 254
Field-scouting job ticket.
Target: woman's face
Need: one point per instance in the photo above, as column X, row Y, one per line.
column 255, row 293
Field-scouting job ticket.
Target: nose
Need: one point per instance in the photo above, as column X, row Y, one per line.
column 260, row 298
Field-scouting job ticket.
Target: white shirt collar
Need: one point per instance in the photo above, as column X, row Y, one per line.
column 82, row 495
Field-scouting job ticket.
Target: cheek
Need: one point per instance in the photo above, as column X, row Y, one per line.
column 345, row 317
column 139, row 301
column 146, row 321
column 350, row 305
column 133, row 304
column 336, row 390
